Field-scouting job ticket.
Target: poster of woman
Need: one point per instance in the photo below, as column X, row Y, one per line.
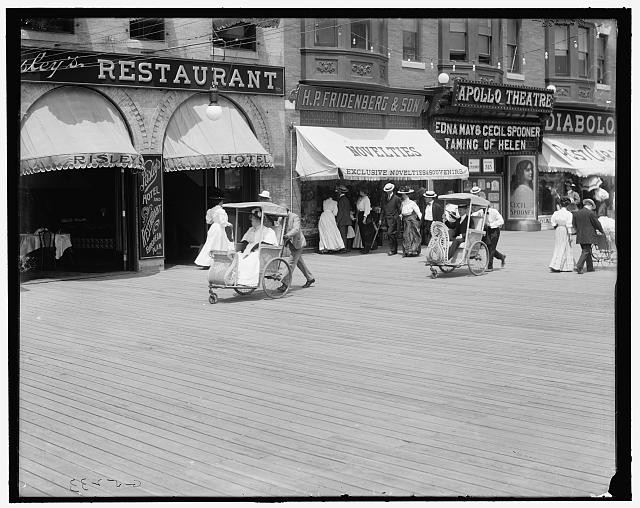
column 521, row 188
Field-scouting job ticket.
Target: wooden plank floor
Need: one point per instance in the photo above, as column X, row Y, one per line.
column 377, row 381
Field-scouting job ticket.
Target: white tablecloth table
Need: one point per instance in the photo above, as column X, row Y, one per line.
column 30, row 242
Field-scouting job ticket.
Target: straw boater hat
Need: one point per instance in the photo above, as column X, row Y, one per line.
column 589, row 202
column 405, row 190
column 341, row 188
column 475, row 190
column 389, row 187
column 430, row 194
column 265, row 194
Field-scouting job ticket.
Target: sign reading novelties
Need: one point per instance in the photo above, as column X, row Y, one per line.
column 581, row 123
column 482, row 137
column 351, row 100
column 62, row 66
column 502, row 97
column 150, row 208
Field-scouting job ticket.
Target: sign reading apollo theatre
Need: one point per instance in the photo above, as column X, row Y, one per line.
column 62, row 66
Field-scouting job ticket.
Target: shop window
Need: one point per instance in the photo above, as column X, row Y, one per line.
column 583, row 52
column 239, row 36
column 146, row 29
column 513, row 45
column 326, row 32
column 56, row 25
column 409, row 46
column 361, row 35
column 561, row 49
column 602, row 59
column 484, row 41
column 458, row 40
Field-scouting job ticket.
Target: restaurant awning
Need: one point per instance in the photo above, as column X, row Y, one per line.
column 373, row 154
column 194, row 141
column 581, row 156
column 74, row 127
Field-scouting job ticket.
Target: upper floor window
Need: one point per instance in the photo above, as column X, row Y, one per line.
column 146, row 29
column 484, row 41
column 458, row 40
column 361, row 35
column 409, row 46
column 601, row 56
column 242, row 35
column 513, row 45
column 561, row 49
column 326, row 32
column 59, row 25
column 583, row 52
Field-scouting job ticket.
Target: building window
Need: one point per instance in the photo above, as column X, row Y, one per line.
column 602, row 59
column 326, row 32
column 561, row 49
column 361, row 35
column 513, row 45
column 146, row 29
column 242, row 35
column 409, row 46
column 58, row 25
column 583, row 52
column 484, row 41
column 458, row 40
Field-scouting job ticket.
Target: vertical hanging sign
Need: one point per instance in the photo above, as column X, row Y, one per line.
column 150, row 213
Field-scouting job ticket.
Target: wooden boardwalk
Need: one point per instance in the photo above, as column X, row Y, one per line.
column 378, row 381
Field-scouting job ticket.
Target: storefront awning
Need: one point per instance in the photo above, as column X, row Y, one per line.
column 581, row 156
column 194, row 141
column 373, row 154
column 73, row 128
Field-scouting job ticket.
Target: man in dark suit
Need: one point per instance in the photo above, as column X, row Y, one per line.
column 390, row 207
column 586, row 223
column 433, row 210
column 343, row 219
column 295, row 240
column 459, row 228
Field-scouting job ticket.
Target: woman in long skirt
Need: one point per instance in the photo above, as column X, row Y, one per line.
column 562, row 220
column 411, row 217
column 216, row 236
column 330, row 239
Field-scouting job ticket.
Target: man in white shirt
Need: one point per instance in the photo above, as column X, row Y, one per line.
column 493, row 222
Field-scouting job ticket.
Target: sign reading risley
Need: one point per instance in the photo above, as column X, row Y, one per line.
column 61, row 66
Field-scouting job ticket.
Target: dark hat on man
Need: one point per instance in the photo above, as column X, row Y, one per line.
column 588, row 202
column 430, row 194
column 405, row 190
column 341, row 188
column 464, row 204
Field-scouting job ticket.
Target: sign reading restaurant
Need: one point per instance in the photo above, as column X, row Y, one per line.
column 358, row 101
column 501, row 97
column 483, row 137
column 62, row 66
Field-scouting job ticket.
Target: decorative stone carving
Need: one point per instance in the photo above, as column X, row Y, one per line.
column 486, row 78
column 584, row 93
column 562, row 91
column 361, row 69
column 383, row 71
column 326, row 66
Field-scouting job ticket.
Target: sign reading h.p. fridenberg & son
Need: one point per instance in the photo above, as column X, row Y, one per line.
column 62, row 66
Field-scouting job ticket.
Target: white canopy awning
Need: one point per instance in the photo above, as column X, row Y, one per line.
column 72, row 128
column 373, row 154
column 581, row 156
column 194, row 141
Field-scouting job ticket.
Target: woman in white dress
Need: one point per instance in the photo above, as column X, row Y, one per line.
column 330, row 239
column 216, row 236
column 249, row 258
column 562, row 220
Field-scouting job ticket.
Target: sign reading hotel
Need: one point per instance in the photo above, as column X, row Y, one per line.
column 581, row 123
column 484, row 137
column 315, row 98
column 150, row 208
column 62, row 66
column 502, row 97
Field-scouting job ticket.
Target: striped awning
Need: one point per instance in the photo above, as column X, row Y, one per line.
column 194, row 141
column 582, row 156
column 74, row 128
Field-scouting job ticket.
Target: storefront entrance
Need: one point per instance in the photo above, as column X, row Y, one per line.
column 84, row 208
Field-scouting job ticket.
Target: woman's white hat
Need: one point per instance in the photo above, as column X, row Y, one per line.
column 265, row 194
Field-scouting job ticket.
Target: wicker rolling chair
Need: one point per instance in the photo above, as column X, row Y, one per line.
column 47, row 250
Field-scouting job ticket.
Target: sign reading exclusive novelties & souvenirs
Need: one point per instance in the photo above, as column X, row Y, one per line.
column 501, row 97
column 62, row 66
